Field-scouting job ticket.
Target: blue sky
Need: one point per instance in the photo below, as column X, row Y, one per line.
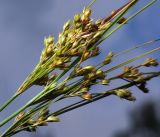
column 23, row 26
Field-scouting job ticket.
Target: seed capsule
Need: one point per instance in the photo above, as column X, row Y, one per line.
column 52, row 119
column 98, row 34
column 85, row 70
column 87, row 96
column 49, row 40
column 150, row 62
column 122, row 20
column 100, row 74
column 87, row 12
column 108, row 58
column 66, row 26
column 58, row 62
column 62, row 40
column 105, row 82
column 85, row 56
column 77, row 18
column 20, row 115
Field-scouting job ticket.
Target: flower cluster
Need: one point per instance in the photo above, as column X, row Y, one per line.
column 62, row 73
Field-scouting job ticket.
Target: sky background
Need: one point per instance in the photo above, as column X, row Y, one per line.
column 23, row 26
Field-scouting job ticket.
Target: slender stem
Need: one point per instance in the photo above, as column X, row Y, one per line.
column 137, row 46
column 131, row 17
column 8, row 102
column 131, row 60
column 99, row 96
column 91, row 3
column 37, row 96
column 22, row 120
column 20, row 110
column 96, row 97
column 100, row 65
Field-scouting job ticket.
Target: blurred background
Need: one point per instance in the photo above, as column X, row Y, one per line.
column 23, row 26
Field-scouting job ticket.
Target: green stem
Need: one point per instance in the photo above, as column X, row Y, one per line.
column 95, row 98
column 131, row 17
column 99, row 96
column 8, row 102
column 21, row 121
column 91, row 3
column 131, row 60
column 100, row 65
column 20, row 110
column 37, row 96
column 137, row 46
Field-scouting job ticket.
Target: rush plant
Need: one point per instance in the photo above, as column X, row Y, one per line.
column 62, row 73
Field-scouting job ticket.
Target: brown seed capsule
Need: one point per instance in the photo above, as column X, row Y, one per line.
column 122, row 20
column 150, row 62
column 85, row 56
column 20, row 116
column 87, row 12
column 98, row 22
column 113, row 11
column 86, row 15
column 95, row 52
column 87, row 96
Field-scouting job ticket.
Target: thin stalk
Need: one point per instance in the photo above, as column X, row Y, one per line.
column 15, row 95
column 32, row 100
column 137, row 46
column 131, row 60
column 22, row 120
column 100, row 65
column 96, row 97
column 8, row 102
column 91, row 3
column 20, row 110
column 129, row 18
column 99, row 96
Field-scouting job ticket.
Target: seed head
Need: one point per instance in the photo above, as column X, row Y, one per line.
column 124, row 93
column 108, row 58
column 52, row 119
column 49, row 40
column 105, row 82
column 66, row 26
column 150, row 62
column 87, row 96
column 77, row 18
